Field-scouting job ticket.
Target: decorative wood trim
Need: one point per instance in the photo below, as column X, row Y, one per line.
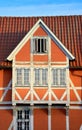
column 75, row 91
column 67, row 80
column 32, row 73
column 6, row 108
column 11, row 125
column 49, row 70
column 75, row 107
column 6, row 90
column 13, row 80
column 6, row 102
column 17, row 94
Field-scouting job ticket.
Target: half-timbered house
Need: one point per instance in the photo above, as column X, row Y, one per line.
column 41, row 73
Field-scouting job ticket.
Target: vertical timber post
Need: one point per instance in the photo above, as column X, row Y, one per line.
column 49, row 117
column 67, row 118
column 31, row 66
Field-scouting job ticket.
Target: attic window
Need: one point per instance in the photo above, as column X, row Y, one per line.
column 40, row 45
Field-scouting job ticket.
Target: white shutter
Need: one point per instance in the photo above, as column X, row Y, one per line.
column 32, row 45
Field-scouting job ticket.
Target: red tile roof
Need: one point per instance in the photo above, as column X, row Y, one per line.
column 67, row 28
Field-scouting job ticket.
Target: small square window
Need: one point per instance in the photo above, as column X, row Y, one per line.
column 39, row 45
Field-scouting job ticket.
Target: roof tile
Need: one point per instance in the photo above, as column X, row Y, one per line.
column 67, row 28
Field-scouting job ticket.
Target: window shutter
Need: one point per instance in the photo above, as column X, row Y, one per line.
column 32, row 45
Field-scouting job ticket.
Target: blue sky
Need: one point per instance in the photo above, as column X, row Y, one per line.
column 40, row 7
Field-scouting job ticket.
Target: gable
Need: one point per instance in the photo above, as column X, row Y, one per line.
column 24, row 53
column 40, row 25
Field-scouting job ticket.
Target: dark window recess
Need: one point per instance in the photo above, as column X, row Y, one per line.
column 40, row 45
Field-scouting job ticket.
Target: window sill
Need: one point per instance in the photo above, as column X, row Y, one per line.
column 46, row 53
column 22, row 85
column 40, row 85
column 59, row 86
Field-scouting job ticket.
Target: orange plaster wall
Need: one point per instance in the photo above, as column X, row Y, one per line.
column 1, row 77
column 5, row 119
column 40, row 119
column 43, row 58
column 24, row 53
column 76, row 77
column 56, row 53
column 41, row 92
column 75, row 119
column 40, row 32
column 22, row 93
column 58, row 119
column 5, row 77
column 59, row 93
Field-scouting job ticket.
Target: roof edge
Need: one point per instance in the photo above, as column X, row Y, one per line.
column 28, row 35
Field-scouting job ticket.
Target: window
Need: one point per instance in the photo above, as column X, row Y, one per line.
column 19, row 76
column 59, row 77
column 22, row 76
column 41, row 77
column 39, row 44
column 23, row 120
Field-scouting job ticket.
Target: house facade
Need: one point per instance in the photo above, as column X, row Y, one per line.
column 41, row 73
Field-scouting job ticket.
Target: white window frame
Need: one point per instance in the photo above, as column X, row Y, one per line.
column 43, row 47
column 40, row 74
column 22, row 83
column 23, row 119
column 59, row 78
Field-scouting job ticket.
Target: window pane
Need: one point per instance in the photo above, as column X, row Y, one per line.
column 19, row 125
column 26, row 76
column 44, row 76
column 37, row 76
column 19, row 76
column 36, row 45
column 55, row 76
column 63, row 77
column 23, row 120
